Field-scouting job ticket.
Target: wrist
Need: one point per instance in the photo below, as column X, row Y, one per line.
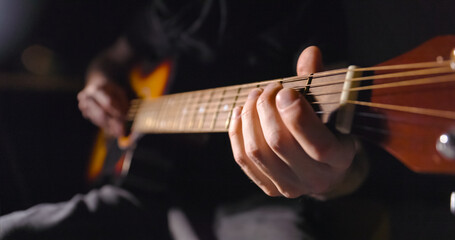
column 352, row 178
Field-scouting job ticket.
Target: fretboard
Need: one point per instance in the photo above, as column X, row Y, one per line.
column 210, row 110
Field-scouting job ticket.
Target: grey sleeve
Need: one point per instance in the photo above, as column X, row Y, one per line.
column 106, row 213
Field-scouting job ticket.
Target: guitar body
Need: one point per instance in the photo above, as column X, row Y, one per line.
column 147, row 82
column 412, row 137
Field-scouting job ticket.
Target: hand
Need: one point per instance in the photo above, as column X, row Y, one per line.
column 104, row 103
column 282, row 145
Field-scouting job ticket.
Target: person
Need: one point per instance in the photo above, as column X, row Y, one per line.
column 318, row 162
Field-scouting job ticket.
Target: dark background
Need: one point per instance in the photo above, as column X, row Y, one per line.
column 44, row 141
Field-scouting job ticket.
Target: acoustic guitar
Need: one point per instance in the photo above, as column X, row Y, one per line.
column 405, row 105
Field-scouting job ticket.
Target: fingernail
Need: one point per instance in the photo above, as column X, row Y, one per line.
column 286, row 97
column 255, row 93
column 236, row 112
column 273, row 85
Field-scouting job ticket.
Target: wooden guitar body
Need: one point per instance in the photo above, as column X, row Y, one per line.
column 425, row 112
column 148, row 82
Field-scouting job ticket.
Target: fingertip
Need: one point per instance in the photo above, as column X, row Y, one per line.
column 236, row 123
column 255, row 93
column 236, row 112
column 286, row 97
column 309, row 61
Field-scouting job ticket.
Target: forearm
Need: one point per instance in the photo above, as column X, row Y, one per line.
column 352, row 179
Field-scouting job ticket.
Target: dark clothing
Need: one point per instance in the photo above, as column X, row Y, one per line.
column 107, row 213
column 216, row 43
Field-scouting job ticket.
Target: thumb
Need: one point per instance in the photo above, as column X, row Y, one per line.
column 310, row 61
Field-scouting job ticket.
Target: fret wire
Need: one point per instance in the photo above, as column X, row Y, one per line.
column 192, row 103
column 228, row 120
column 207, row 124
column 201, row 123
column 218, row 108
column 220, row 127
column 226, row 96
column 170, row 112
column 196, row 109
column 143, row 115
column 239, row 103
column 176, row 112
column 184, row 110
column 192, row 107
column 167, row 118
column 169, row 115
column 212, row 108
column 179, row 113
column 167, row 112
column 244, row 86
column 248, row 86
column 161, row 112
column 147, row 122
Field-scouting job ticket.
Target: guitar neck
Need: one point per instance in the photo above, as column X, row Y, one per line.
column 210, row 110
column 404, row 105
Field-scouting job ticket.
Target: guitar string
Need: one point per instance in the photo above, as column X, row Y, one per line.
column 316, row 76
column 391, row 85
column 429, row 112
column 375, row 130
column 170, row 128
column 336, row 72
column 242, row 99
column 380, row 116
column 222, row 128
column 384, row 76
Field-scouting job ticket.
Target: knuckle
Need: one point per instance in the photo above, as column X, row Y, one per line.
column 288, row 194
column 276, row 142
column 240, row 159
column 271, row 192
column 263, row 102
column 233, row 132
column 290, row 191
column 247, row 113
column 260, row 102
column 254, row 153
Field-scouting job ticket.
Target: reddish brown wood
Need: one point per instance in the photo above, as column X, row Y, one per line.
column 412, row 137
